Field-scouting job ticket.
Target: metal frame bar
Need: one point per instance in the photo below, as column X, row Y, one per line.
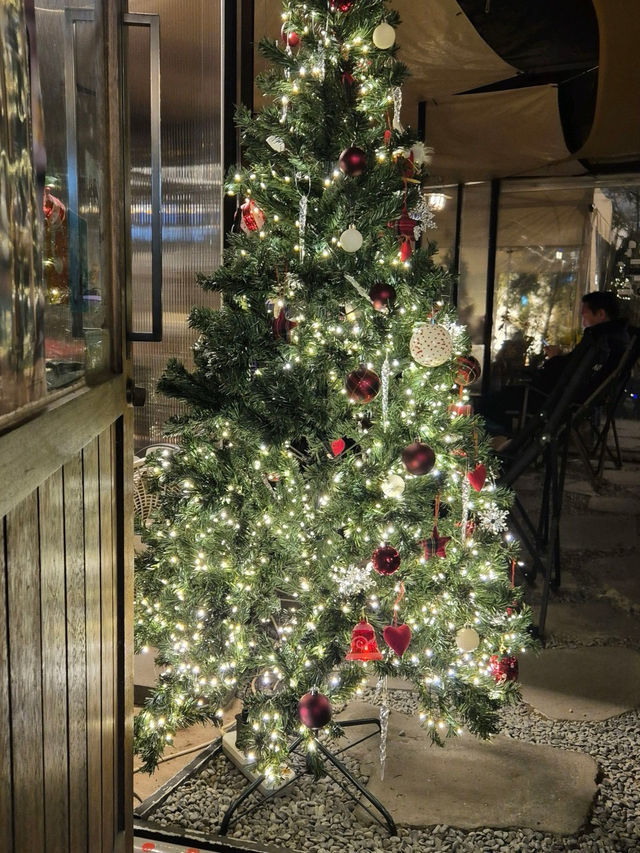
column 332, row 757
column 153, row 24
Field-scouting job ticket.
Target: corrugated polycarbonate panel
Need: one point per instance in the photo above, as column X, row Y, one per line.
column 191, row 175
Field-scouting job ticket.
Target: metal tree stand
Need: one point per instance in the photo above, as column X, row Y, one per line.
column 231, row 817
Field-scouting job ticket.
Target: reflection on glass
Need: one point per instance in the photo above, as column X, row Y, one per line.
column 76, row 287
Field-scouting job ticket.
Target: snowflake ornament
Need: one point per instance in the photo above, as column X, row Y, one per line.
column 423, row 216
column 493, row 518
column 353, row 580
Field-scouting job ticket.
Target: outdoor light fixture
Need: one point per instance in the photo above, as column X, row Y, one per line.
column 436, row 201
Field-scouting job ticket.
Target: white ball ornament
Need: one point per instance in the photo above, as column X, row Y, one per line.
column 467, row 639
column 351, row 239
column 384, row 36
column 430, row 345
column 393, row 486
column 276, row 143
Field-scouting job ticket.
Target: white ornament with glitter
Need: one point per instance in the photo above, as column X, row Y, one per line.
column 386, row 372
column 302, row 221
column 493, row 519
column 397, row 107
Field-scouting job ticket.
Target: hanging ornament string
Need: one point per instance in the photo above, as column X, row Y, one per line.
column 397, row 106
column 386, row 372
column 436, row 510
column 396, row 604
column 357, row 286
column 513, row 573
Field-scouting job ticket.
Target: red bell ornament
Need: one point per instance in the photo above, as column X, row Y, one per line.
column 314, row 710
column 418, row 458
column 363, row 643
column 353, row 161
column 382, row 295
column 362, row 385
column 386, row 560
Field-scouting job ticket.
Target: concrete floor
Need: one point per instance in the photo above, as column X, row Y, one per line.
column 592, row 631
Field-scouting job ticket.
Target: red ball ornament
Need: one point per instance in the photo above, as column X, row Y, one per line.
column 504, row 667
column 382, row 295
column 314, row 710
column 386, row 560
column 291, row 38
column 468, row 369
column 353, row 161
column 362, row 385
column 363, row 643
column 418, row 458
column 342, row 6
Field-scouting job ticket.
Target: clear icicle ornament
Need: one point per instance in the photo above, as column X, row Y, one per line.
column 285, row 109
column 386, row 372
column 397, row 107
column 302, row 221
column 384, row 726
column 357, row 286
column 465, row 507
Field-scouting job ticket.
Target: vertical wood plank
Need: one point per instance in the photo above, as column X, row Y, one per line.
column 54, row 664
column 92, row 553
column 6, row 785
column 76, row 654
column 25, row 664
column 109, row 638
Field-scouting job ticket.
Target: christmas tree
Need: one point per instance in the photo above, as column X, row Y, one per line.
column 330, row 514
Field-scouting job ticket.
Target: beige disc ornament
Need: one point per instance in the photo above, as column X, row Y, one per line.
column 467, row 639
column 430, row 344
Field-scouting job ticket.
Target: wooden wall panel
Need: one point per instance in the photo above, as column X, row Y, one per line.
column 25, row 667
column 6, row 806
column 109, row 638
column 94, row 639
column 76, row 653
column 54, row 665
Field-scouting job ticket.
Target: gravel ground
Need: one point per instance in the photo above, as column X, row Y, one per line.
column 316, row 815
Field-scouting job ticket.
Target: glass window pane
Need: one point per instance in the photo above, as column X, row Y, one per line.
column 77, row 339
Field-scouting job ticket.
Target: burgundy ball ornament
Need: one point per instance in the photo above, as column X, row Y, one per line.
column 418, row 458
column 382, row 295
column 386, row 560
column 344, row 5
column 468, row 369
column 352, row 161
column 314, row 710
column 362, row 385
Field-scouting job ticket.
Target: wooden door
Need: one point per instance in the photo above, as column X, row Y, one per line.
column 66, row 571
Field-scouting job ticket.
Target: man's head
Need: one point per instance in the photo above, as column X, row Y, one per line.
column 598, row 307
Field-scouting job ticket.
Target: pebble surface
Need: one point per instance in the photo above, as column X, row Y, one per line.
column 316, row 816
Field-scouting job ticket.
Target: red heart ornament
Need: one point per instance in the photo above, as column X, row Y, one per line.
column 337, row 446
column 397, row 637
column 477, row 477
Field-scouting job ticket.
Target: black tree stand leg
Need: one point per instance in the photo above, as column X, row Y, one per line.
column 333, row 759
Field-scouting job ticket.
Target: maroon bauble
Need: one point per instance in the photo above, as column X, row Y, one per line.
column 382, row 295
column 386, row 560
column 418, row 458
column 468, row 369
column 362, row 385
column 314, row 710
column 342, row 5
column 353, row 161
column 291, row 38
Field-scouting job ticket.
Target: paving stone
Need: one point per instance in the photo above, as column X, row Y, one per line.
column 577, row 684
column 586, row 621
column 597, row 532
column 619, row 573
column 473, row 783
column 629, row 475
column 622, row 505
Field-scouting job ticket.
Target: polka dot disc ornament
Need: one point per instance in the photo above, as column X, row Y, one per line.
column 430, row 345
